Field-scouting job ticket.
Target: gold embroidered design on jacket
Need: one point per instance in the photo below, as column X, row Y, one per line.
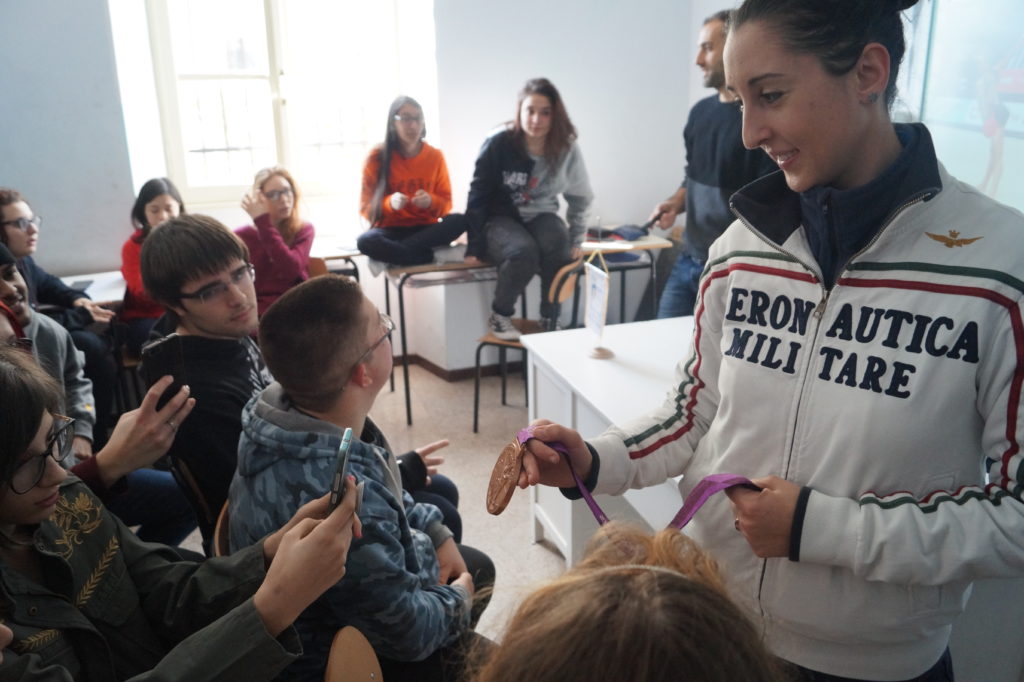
column 97, row 573
column 953, row 239
column 36, row 641
column 76, row 518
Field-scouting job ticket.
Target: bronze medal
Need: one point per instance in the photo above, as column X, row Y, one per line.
column 504, row 478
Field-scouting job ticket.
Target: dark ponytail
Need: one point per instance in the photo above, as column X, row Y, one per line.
column 835, row 31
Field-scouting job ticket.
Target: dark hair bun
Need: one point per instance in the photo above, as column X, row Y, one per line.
column 901, row 5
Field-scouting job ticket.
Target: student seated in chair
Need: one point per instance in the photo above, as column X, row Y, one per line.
column 85, row 599
column 409, row 585
column 199, row 271
column 152, row 500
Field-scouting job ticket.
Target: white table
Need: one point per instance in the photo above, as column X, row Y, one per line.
column 103, row 286
column 569, row 387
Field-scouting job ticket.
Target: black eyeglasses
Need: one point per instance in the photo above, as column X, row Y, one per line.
column 212, row 292
column 58, row 446
column 389, row 326
column 23, row 223
column 276, row 194
column 402, row 118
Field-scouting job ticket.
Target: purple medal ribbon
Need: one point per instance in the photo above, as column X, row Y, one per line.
column 700, row 494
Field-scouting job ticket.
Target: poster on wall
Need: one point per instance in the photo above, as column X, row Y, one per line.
column 973, row 98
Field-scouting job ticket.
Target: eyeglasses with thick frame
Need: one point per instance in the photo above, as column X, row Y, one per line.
column 216, row 290
column 276, row 194
column 58, row 446
column 23, row 223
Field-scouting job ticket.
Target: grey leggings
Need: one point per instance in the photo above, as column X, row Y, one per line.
column 521, row 250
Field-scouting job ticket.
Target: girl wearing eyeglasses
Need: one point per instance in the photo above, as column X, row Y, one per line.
column 85, row 599
column 19, row 231
column 279, row 240
column 158, row 202
column 406, row 193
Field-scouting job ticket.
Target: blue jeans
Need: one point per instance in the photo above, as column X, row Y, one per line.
column 680, row 293
column 155, row 503
column 443, row 494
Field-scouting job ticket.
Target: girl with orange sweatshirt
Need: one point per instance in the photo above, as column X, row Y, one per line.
column 406, row 193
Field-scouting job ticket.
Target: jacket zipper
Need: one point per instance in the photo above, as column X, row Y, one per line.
column 819, row 313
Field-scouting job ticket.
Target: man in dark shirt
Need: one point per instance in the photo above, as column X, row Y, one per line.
column 200, row 272
column 717, row 165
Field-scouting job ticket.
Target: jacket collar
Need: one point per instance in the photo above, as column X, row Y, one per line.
column 776, row 211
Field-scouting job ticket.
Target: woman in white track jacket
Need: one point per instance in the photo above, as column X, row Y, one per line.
column 858, row 352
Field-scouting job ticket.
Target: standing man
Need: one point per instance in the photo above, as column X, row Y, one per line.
column 717, row 165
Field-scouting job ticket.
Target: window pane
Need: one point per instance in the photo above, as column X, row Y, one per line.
column 218, row 36
column 227, row 129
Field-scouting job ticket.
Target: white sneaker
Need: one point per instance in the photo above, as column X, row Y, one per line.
column 450, row 254
column 502, row 327
column 376, row 266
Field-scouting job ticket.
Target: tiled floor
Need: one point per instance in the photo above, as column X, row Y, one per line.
column 445, row 410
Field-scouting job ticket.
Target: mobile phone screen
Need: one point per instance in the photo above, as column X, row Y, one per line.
column 340, row 471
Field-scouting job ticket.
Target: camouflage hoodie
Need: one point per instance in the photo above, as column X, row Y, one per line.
column 390, row 592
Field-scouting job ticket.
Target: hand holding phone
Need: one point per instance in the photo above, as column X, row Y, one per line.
column 340, row 471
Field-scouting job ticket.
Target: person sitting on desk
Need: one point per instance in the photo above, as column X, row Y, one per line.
column 406, row 193
column 512, row 207
column 278, row 240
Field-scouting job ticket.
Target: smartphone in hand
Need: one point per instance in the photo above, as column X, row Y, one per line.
column 340, row 471
column 162, row 357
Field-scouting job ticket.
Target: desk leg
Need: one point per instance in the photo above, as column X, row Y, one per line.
column 622, row 296
column 387, row 309
column 405, row 352
column 654, row 283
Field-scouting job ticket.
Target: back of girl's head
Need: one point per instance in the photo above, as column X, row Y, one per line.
column 25, row 392
column 638, row 609
column 835, row 31
column 151, row 190
column 562, row 132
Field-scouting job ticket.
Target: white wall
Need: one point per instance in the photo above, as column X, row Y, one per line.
column 63, row 143
column 625, row 71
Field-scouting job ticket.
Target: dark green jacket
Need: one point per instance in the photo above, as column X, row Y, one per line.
column 115, row 607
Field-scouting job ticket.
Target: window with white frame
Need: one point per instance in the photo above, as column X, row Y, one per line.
column 245, row 84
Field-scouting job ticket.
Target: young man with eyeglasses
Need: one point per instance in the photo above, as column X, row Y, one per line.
column 408, row 585
column 199, row 271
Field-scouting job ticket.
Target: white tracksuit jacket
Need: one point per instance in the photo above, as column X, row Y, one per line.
column 890, row 397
